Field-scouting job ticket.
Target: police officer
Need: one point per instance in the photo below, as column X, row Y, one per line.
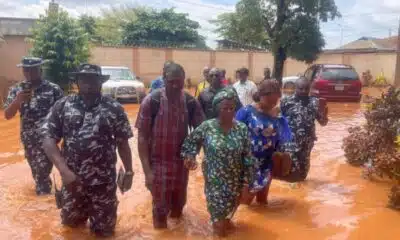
column 33, row 98
column 92, row 128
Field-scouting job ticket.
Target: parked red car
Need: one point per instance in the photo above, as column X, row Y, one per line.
column 334, row 82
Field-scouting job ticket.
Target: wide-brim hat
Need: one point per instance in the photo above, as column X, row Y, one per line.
column 28, row 62
column 91, row 70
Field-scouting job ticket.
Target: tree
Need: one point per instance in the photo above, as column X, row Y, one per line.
column 291, row 27
column 59, row 39
column 165, row 27
column 109, row 25
column 243, row 26
column 89, row 26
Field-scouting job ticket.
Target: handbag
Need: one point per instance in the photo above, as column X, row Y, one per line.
column 282, row 165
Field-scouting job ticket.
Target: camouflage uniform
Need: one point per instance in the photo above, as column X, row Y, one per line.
column 301, row 117
column 90, row 137
column 32, row 115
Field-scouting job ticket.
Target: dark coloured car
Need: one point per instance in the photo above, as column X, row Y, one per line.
column 334, row 82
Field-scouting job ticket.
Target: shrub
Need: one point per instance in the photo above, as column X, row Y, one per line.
column 60, row 40
column 355, row 147
column 377, row 142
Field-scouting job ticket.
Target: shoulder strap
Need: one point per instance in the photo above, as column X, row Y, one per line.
column 155, row 104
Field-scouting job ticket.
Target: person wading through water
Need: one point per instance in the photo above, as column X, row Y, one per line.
column 228, row 163
column 92, row 127
column 302, row 110
column 164, row 119
column 207, row 96
column 33, row 98
column 269, row 132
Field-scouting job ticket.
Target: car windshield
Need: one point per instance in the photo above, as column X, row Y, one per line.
column 339, row 74
column 118, row 73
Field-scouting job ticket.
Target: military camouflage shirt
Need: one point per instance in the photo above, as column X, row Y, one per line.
column 206, row 98
column 34, row 112
column 90, row 136
column 301, row 116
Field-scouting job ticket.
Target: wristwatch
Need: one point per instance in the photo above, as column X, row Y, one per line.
column 129, row 173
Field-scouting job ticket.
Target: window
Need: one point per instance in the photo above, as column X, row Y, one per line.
column 118, row 73
column 339, row 74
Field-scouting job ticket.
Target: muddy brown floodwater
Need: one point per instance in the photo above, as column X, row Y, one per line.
column 334, row 203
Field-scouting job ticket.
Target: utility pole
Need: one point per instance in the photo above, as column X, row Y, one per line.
column 397, row 73
column 341, row 34
column 53, row 7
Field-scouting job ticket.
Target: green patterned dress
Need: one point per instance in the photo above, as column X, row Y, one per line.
column 227, row 165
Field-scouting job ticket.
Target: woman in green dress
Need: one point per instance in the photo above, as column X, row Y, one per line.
column 228, row 162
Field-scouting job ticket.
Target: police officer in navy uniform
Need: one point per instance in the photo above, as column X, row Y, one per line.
column 33, row 98
column 93, row 127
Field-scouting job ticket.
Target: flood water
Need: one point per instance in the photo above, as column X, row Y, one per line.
column 334, row 203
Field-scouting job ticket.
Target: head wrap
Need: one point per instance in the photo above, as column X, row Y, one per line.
column 225, row 93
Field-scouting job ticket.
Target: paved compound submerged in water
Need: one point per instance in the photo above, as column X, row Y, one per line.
column 334, row 203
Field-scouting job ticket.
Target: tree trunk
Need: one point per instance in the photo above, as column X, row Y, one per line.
column 279, row 62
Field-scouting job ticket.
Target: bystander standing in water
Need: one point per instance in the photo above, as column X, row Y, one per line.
column 203, row 84
column 225, row 81
column 33, row 98
column 228, row 162
column 237, row 76
column 207, row 96
column 268, row 132
column 163, row 121
column 267, row 73
column 92, row 128
column 302, row 110
column 245, row 87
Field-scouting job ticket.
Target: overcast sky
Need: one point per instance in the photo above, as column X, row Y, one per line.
column 371, row 18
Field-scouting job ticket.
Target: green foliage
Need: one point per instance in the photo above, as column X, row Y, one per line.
column 305, row 42
column 109, row 25
column 89, row 25
column 152, row 26
column 243, row 26
column 376, row 144
column 289, row 28
column 59, row 39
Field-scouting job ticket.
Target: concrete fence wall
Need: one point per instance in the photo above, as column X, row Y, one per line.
column 147, row 62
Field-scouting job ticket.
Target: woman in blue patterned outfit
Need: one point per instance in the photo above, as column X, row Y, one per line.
column 228, row 161
column 269, row 133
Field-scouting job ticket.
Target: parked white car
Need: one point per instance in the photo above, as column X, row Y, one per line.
column 289, row 85
column 123, row 84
